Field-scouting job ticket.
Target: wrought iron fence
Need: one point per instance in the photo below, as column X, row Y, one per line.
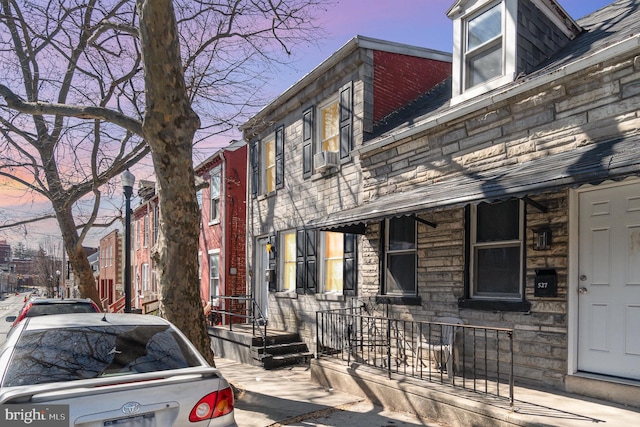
column 477, row 358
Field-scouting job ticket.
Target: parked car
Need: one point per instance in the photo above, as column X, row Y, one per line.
column 124, row 370
column 37, row 306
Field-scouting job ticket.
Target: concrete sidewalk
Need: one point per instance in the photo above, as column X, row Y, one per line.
column 286, row 396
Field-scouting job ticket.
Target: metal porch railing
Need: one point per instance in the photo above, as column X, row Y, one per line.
column 476, row 358
column 238, row 309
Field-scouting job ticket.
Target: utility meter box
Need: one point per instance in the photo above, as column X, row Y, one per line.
column 546, row 283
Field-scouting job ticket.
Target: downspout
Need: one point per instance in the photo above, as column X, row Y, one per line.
column 248, row 230
column 223, row 225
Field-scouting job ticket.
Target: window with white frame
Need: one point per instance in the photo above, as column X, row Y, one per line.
column 156, row 221
column 497, row 250
column 401, row 255
column 145, row 277
column 329, row 128
column 214, row 275
column 145, row 231
column 483, row 51
column 214, row 190
column 269, row 165
column 331, row 265
column 154, row 279
column 288, row 259
column 199, row 198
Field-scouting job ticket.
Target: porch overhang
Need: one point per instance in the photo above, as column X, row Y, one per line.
column 614, row 159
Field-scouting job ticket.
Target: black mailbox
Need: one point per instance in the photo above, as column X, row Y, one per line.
column 546, row 283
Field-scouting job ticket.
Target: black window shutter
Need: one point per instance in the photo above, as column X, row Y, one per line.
column 301, row 265
column 346, row 119
column 280, row 157
column 350, row 277
column 307, row 143
column 255, row 156
column 273, row 262
column 383, row 258
column 311, row 259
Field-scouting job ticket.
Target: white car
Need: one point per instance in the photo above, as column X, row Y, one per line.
column 107, row 369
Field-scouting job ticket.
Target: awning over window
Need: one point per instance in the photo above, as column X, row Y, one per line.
column 592, row 164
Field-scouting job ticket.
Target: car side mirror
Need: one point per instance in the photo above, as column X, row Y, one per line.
column 10, row 318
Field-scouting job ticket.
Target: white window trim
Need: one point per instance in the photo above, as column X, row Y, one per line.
column 509, row 47
column 281, row 261
column 219, row 290
column 263, row 163
column 145, row 277
column 318, row 129
column 215, row 171
column 522, row 241
column 321, row 265
column 146, row 232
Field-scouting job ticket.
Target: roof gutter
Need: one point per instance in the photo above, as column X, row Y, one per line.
column 463, row 109
column 354, row 43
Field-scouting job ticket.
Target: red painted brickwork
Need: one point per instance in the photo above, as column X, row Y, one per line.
column 228, row 236
column 110, row 284
column 399, row 79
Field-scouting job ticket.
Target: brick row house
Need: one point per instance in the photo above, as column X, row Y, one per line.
column 222, row 248
column 221, row 195
column 145, row 223
column 450, row 185
column 110, row 279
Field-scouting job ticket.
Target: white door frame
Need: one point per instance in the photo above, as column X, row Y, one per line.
column 573, row 267
column 261, row 287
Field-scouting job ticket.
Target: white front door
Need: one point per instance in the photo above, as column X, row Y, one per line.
column 609, row 281
column 261, row 291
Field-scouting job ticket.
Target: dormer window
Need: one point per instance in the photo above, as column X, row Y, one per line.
column 484, row 46
column 483, row 52
column 494, row 41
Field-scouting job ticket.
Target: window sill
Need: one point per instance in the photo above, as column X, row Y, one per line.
column 495, row 305
column 399, row 300
column 215, row 222
column 331, row 297
column 286, row 294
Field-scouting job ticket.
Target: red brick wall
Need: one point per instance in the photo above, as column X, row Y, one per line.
column 233, row 217
column 399, row 79
column 236, row 219
column 110, row 284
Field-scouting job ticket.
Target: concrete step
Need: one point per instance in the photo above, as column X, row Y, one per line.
column 280, row 349
column 289, row 359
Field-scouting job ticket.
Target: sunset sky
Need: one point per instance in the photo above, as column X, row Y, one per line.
column 416, row 22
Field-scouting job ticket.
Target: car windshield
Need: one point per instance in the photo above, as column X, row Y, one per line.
column 52, row 355
column 43, row 309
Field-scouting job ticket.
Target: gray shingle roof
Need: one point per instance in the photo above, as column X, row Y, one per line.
column 611, row 24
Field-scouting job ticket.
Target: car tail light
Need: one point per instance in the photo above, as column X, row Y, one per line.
column 213, row 405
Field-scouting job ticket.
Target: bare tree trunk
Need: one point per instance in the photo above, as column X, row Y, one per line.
column 169, row 127
column 78, row 258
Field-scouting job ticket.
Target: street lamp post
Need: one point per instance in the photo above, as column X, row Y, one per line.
column 58, row 284
column 127, row 186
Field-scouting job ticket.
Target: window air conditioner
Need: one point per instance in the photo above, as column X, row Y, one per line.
column 325, row 160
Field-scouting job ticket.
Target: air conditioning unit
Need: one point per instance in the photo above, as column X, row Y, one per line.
column 325, row 160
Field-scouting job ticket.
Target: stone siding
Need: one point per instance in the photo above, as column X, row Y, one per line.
column 569, row 112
